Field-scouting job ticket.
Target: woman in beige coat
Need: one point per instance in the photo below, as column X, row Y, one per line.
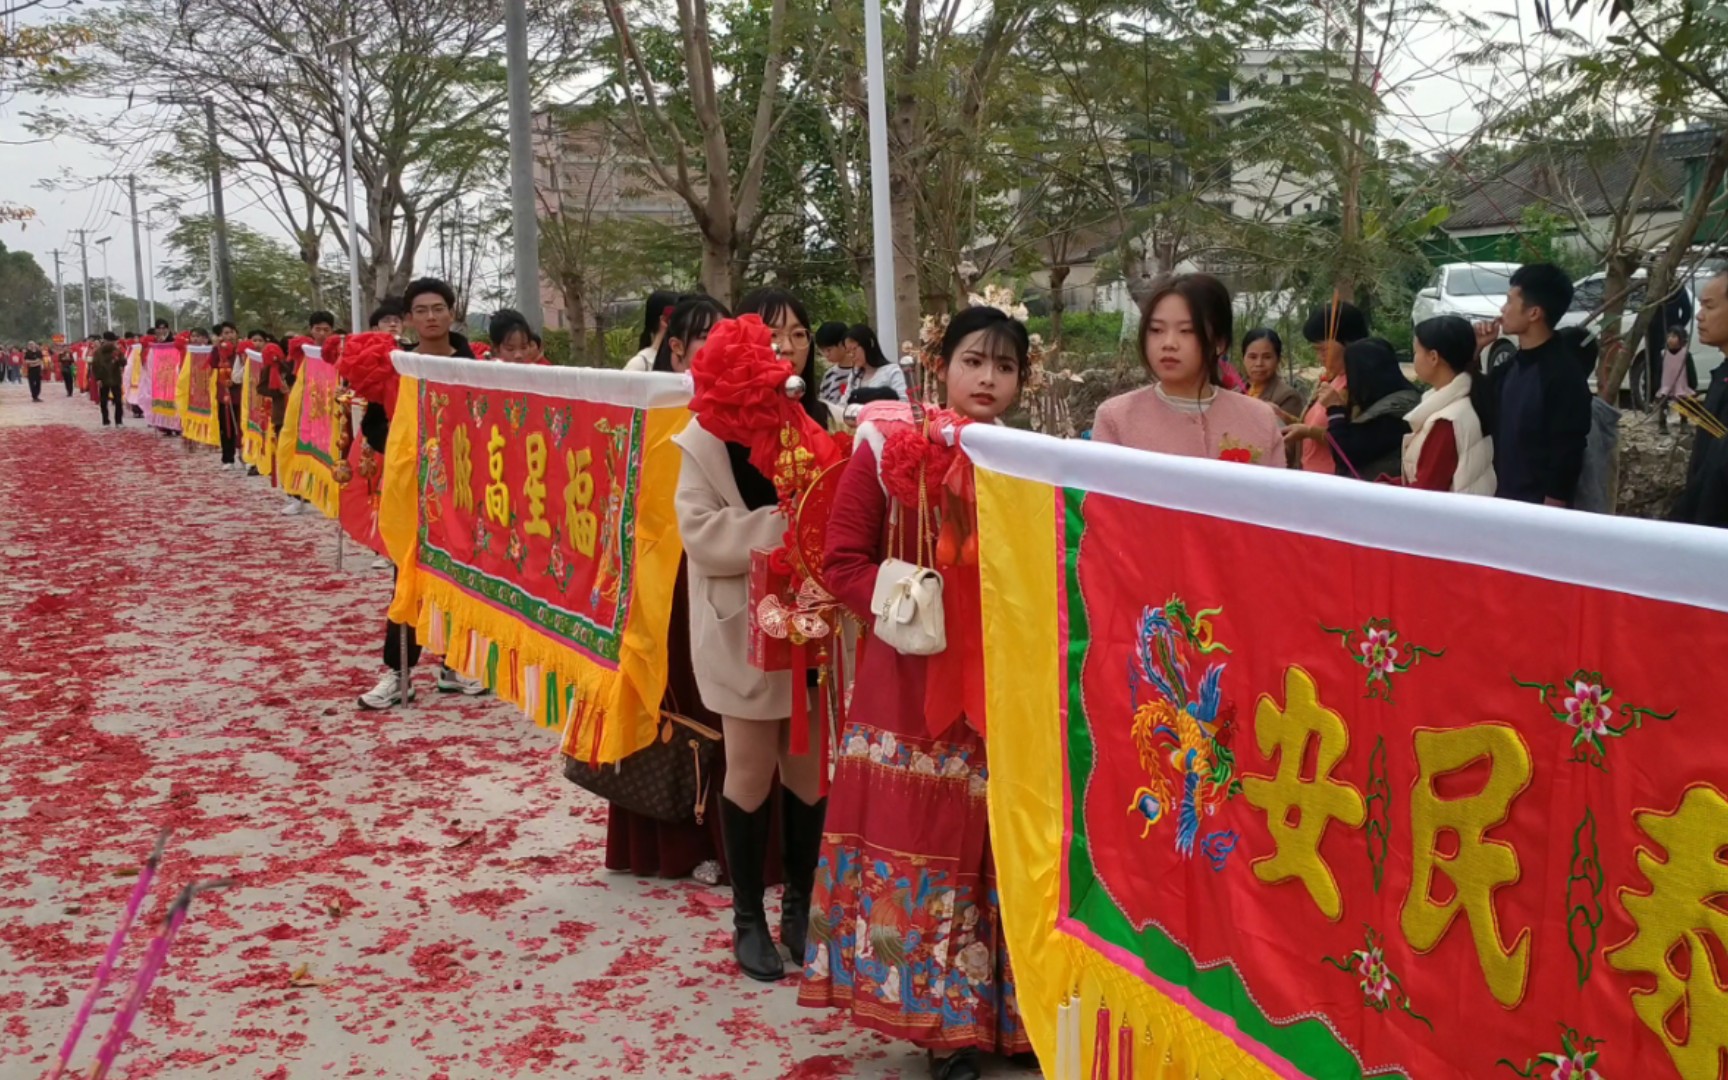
column 726, row 510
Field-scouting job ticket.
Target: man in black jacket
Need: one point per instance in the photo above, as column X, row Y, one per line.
column 1541, row 397
column 1705, row 499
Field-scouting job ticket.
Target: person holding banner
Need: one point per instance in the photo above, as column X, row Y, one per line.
column 1185, row 332
column 906, row 881
column 728, row 509
column 636, row 843
column 432, row 307
column 230, row 375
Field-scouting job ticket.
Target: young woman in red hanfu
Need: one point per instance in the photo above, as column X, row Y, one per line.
column 905, row 932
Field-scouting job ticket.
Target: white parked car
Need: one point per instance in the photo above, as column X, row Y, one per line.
column 1589, row 296
column 1475, row 291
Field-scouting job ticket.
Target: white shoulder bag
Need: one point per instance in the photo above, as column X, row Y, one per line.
column 907, row 600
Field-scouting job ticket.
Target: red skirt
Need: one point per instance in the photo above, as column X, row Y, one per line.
column 905, row 927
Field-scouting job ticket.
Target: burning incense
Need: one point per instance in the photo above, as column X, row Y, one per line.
column 105, row 969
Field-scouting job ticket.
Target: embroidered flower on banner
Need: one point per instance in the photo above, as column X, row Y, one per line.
column 1380, row 651
column 1584, row 703
column 1587, row 709
column 1381, row 988
column 1576, row 1059
column 1378, row 646
column 1376, row 976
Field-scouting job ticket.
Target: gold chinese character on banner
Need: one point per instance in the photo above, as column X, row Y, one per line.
column 462, row 468
column 581, row 525
column 1673, row 919
column 535, row 487
column 1299, row 808
column 497, row 493
column 1479, row 866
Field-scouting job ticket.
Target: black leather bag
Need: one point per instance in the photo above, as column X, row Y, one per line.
column 668, row 780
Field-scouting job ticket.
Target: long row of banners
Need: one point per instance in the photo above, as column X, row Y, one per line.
column 1290, row 775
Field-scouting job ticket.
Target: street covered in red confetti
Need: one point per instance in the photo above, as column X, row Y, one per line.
column 415, row 893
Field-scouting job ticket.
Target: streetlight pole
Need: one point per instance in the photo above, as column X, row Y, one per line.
column 107, row 286
column 882, row 232
column 356, row 316
column 347, row 79
column 524, row 222
column 84, row 262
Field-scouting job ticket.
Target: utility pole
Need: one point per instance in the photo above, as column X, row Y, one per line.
column 138, row 258
column 59, row 293
column 224, row 267
column 84, row 262
column 524, row 222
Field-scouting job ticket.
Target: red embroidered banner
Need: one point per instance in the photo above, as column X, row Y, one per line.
column 1364, row 808
column 530, row 511
column 361, row 494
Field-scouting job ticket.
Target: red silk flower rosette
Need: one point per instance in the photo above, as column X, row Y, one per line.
column 365, row 364
column 954, row 687
column 740, row 397
column 331, row 351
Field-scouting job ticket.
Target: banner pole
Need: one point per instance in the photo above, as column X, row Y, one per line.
column 404, row 671
column 339, row 539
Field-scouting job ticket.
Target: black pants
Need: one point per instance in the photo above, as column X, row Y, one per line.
column 67, row 376
column 393, row 645
column 105, row 393
column 226, row 422
column 34, row 375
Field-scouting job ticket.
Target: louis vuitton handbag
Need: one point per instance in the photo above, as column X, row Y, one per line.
column 667, row 780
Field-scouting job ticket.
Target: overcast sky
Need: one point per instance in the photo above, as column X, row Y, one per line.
column 1430, row 102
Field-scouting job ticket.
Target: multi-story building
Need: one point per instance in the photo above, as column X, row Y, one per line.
column 584, row 171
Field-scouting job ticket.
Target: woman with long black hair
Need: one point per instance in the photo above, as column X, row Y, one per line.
column 1366, row 431
column 872, row 370
column 656, row 311
column 727, row 509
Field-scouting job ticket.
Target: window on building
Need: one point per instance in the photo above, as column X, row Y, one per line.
column 1224, row 90
column 1307, row 208
column 1289, row 209
column 1286, row 81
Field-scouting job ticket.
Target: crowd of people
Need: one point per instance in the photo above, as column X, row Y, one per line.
column 888, row 909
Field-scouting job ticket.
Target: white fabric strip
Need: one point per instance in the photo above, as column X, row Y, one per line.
column 313, row 352
column 200, row 350
column 631, row 389
column 254, row 354
column 1685, row 564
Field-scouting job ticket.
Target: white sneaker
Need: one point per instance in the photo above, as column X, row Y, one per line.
column 294, row 508
column 451, row 681
column 380, row 564
column 386, row 695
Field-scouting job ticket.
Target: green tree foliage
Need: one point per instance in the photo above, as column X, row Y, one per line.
column 27, row 308
column 269, row 278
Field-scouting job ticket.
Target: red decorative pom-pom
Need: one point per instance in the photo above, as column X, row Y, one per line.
column 365, row 363
column 331, row 351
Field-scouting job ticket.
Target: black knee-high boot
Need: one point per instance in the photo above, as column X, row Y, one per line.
column 800, row 847
column 746, row 836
